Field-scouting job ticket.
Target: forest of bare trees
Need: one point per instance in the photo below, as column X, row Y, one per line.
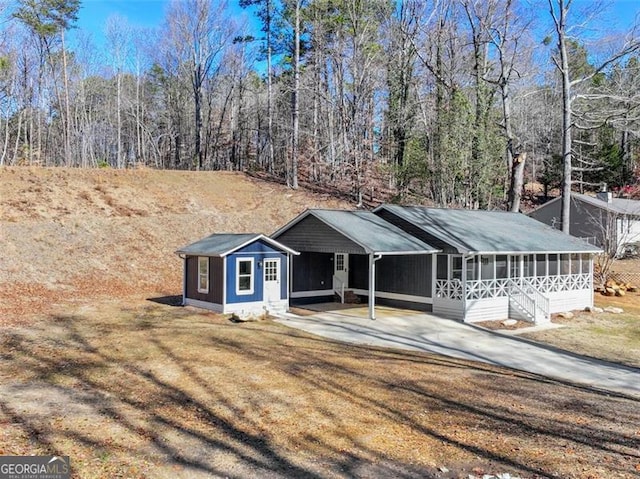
column 453, row 102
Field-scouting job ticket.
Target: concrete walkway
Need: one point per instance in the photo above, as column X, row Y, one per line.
column 423, row 332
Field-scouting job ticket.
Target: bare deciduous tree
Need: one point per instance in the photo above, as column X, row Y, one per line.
column 564, row 31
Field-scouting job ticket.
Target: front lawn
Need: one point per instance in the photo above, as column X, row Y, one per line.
column 608, row 336
column 139, row 389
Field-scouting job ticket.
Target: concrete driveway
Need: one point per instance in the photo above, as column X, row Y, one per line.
column 423, row 332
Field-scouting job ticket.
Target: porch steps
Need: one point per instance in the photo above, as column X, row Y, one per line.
column 350, row 297
column 518, row 312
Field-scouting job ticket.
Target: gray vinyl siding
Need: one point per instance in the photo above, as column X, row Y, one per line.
column 358, row 271
column 311, row 234
column 312, row 272
column 402, row 274
column 215, row 280
column 587, row 221
column 409, row 274
column 415, row 231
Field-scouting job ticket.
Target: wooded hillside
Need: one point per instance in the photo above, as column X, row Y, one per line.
column 69, row 233
column 438, row 101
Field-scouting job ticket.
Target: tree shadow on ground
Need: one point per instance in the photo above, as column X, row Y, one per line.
column 189, row 395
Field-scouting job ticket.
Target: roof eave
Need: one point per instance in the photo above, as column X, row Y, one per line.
column 265, row 238
column 399, row 253
column 191, row 253
column 476, row 253
column 256, row 237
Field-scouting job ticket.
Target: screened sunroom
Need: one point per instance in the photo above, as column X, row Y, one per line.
column 497, row 264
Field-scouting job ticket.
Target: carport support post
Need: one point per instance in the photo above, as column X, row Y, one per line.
column 372, row 285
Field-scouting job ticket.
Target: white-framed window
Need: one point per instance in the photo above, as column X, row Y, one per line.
column 203, row 274
column 339, row 262
column 244, row 276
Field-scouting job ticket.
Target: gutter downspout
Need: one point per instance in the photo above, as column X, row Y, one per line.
column 372, row 284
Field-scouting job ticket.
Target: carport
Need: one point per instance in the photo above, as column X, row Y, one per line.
column 339, row 255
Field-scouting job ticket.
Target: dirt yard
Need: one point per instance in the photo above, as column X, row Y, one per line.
column 96, row 363
column 141, row 389
column 72, row 233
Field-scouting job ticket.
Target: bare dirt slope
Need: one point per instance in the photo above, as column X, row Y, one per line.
column 71, row 233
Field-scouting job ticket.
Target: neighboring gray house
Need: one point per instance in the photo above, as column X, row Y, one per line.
column 612, row 224
column 461, row 264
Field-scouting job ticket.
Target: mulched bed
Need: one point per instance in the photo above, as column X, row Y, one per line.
column 499, row 325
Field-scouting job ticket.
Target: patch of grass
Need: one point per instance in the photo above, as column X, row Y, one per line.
column 155, row 390
column 612, row 337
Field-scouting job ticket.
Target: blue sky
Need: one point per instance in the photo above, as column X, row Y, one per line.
column 150, row 13
column 145, row 13
column 139, row 13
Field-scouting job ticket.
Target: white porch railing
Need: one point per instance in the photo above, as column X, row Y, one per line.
column 567, row 282
column 338, row 287
column 487, row 288
column 495, row 288
column 449, row 289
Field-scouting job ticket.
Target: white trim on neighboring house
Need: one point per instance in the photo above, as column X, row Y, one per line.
column 203, row 260
column 252, row 277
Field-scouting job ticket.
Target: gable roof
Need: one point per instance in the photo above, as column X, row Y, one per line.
column 373, row 234
column 478, row 231
column 226, row 243
column 622, row 206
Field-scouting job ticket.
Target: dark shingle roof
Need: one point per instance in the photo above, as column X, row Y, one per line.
column 226, row 243
column 367, row 230
column 477, row 231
